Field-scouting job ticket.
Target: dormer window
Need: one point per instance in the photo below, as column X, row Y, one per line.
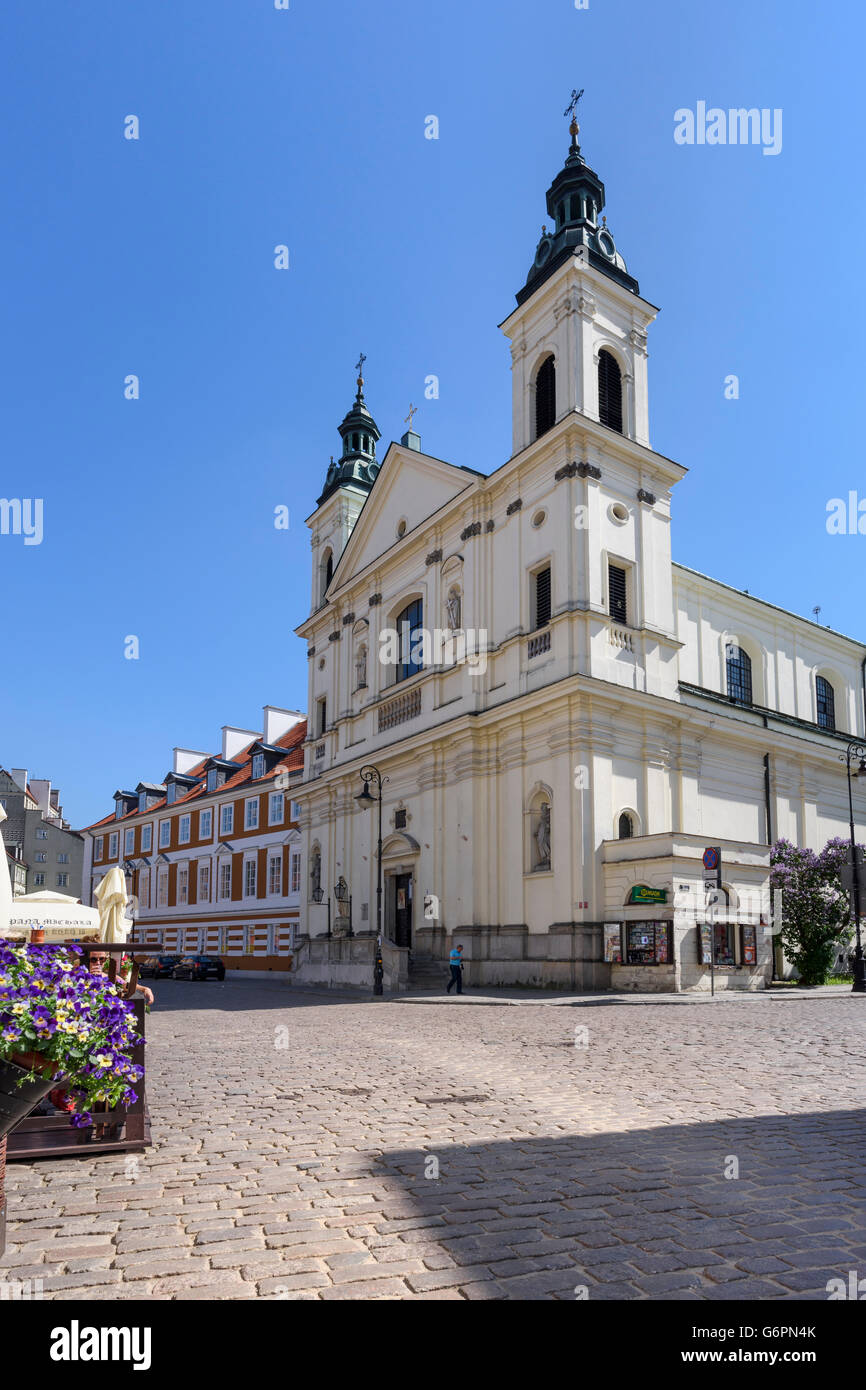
column 258, row 769
column 171, row 794
column 118, row 808
column 142, row 801
column 213, row 779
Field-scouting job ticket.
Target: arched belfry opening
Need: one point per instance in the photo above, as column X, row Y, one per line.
column 545, row 397
column 609, row 391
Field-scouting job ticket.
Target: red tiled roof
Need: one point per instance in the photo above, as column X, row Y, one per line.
column 292, row 742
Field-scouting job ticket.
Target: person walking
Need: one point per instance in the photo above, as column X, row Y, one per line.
column 455, row 960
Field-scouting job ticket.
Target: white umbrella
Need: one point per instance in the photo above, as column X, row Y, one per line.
column 112, row 900
column 5, row 885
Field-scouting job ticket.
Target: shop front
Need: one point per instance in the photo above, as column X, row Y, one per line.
column 667, row 932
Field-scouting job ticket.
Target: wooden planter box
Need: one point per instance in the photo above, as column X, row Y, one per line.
column 52, row 1136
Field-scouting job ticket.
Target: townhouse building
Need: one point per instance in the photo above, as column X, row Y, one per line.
column 49, row 854
column 212, row 853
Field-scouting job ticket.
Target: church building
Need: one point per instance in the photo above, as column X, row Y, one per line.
column 586, row 749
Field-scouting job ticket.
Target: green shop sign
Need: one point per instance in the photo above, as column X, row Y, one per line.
column 640, row 894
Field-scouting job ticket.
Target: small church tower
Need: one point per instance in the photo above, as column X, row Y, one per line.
column 347, row 484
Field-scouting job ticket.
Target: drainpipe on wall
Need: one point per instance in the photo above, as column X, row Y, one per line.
column 768, row 805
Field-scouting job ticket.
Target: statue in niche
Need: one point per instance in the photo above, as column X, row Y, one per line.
column 316, row 872
column 454, row 609
column 542, row 838
column 361, row 669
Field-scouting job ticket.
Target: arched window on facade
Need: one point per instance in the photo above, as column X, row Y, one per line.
column 545, row 397
column 826, row 704
column 409, row 627
column 609, row 391
column 626, row 826
column 739, row 665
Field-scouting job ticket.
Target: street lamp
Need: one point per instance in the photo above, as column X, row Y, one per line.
column 856, row 750
column 368, row 775
column 319, row 897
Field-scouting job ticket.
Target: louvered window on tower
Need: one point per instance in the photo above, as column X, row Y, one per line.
column 545, row 397
column 542, row 598
column 609, row 391
column 617, row 593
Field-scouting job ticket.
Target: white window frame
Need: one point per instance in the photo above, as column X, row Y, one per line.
column 113, row 844
column 295, row 813
column 165, row 834
column 42, row 834
column 251, row 864
column 204, row 882
column 251, row 813
column 63, row 858
column 184, row 822
column 295, row 873
column 39, row 880
column 147, row 838
column 41, row 857
column 227, row 818
column 276, row 799
column 205, row 817
column 144, row 888
column 275, row 881
column 183, row 885
column 257, row 769
column 225, row 864
column 162, row 888
column 62, row 880
column 98, row 848
column 129, row 842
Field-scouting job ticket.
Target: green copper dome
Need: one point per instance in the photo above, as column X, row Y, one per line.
column 357, row 466
column 575, row 201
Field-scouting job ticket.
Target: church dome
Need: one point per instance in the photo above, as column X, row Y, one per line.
column 575, row 201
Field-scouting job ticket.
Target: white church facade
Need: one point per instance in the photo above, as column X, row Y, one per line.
column 565, row 719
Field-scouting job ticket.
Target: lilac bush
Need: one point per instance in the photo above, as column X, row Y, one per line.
column 52, row 1005
column 816, row 911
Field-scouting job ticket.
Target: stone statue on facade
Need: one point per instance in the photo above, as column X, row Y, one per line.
column 453, row 607
column 542, row 838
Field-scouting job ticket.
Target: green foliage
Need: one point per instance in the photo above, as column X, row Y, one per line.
column 816, row 911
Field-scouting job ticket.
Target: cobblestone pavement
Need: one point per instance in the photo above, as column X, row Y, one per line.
column 309, row 1148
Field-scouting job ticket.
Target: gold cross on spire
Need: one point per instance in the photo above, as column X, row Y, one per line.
column 410, row 418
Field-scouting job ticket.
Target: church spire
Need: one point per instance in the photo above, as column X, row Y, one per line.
column 357, row 466
column 575, row 201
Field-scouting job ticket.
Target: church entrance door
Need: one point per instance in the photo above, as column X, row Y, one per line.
column 403, row 909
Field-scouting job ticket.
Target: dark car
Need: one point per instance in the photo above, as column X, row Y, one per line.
column 158, row 967
column 199, row 968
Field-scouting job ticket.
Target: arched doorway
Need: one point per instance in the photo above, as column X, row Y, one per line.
column 399, row 866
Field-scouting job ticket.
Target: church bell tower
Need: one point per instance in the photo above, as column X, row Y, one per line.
column 579, row 332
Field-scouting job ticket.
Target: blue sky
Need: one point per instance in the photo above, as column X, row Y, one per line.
column 306, row 127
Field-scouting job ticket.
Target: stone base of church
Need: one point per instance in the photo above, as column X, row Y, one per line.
column 568, row 956
column 348, row 962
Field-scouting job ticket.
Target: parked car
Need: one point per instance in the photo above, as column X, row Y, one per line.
column 158, row 967
column 199, row 968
